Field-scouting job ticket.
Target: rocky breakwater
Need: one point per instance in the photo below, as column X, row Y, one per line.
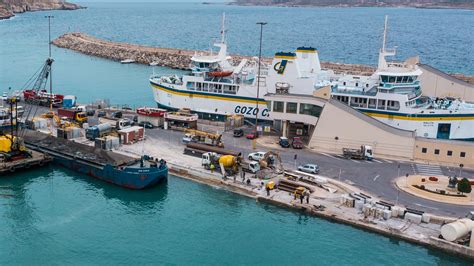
column 175, row 58
column 167, row 57
column 8, row 8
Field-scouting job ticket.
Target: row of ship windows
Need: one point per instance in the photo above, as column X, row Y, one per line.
column 292, row 108
column 448, row 153
column 356, row 84
column 370, row 103
column 210, row 87
column 390, row 79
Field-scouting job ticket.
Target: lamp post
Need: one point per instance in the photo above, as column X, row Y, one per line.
column 258, row 74
column 49, row 17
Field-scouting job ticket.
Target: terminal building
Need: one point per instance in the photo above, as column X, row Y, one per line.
column 328, row 125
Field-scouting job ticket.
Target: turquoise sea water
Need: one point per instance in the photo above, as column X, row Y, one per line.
column 54, row 216
column 442, row 38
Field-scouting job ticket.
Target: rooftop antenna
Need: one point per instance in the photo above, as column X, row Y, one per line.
column 385, row 33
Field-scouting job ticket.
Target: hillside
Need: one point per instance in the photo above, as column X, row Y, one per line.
column 8, row 8
column 469, row 4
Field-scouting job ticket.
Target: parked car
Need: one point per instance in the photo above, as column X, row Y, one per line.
column 146, row 124
column 187, row 138
column 252, row 135
column 117, row 114
column 309, row 168
column 256, row 156
column 297, row 143
column 238, row 132
column 135, row 118
column 4, row 96
column 90, row 112
column 284, row 142
column 101, row 113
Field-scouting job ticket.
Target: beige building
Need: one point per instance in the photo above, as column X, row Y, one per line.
column 436, row 83
column 341, row 126
column 444, row 152
column 330, row 125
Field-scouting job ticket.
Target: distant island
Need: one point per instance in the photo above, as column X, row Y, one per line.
column 8, row 8
column 465, row 4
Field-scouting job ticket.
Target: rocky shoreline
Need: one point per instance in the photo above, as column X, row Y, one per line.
column 176, row 58
column 9, row 8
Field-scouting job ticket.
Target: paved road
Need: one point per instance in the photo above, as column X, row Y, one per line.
column 376, row 177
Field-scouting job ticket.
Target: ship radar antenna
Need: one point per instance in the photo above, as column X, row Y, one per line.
column 223, row 28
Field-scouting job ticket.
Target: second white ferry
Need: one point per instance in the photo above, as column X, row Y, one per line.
column 393, row 95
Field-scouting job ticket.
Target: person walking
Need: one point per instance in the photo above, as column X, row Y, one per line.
column 307, row 197
column 267, row 188
column 301, row 198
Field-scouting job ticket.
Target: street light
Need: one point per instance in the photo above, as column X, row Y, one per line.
column 258, row 74
column 460, row 169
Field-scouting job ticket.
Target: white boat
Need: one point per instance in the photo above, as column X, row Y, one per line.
column 216, row 88
column 393, row 95
column 154, row 63
column 127, row 61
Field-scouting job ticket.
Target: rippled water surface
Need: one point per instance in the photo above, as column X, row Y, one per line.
column 442, row 38
column 54, row 216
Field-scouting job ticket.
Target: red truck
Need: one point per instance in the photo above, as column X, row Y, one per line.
column 73, row 115
column 297, row 143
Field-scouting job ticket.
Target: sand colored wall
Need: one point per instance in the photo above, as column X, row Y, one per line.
column 444, row 146
column 354, row 129
column 437, row 84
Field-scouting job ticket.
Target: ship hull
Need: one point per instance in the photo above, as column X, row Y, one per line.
column 436, row 126
column 211, row 106
column 132, row 178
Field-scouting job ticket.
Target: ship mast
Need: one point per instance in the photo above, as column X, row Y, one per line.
column 51, row 70
column 223, row 28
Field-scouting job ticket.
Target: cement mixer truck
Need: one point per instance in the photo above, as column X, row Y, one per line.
column 227, row 164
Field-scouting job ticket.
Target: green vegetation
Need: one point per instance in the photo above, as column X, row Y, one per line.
column 464, row 186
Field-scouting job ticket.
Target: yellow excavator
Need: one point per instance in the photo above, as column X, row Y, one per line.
column 11, row 146
column 272, row 159
column 58, row 122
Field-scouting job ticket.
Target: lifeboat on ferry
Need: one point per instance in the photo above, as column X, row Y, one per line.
column 220, row 74
column 152, row 112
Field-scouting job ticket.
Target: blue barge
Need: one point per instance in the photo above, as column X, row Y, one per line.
column 108, row 166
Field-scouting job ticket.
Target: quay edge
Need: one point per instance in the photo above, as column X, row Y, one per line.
column 429, row 242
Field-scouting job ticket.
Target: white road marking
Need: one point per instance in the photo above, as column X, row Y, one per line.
column 375, row 160
column 375, row 178
column 355, row 161
column 387, row 161
column 368, row 161
column 425, row 169
column 434, row 208
column 329, row 155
